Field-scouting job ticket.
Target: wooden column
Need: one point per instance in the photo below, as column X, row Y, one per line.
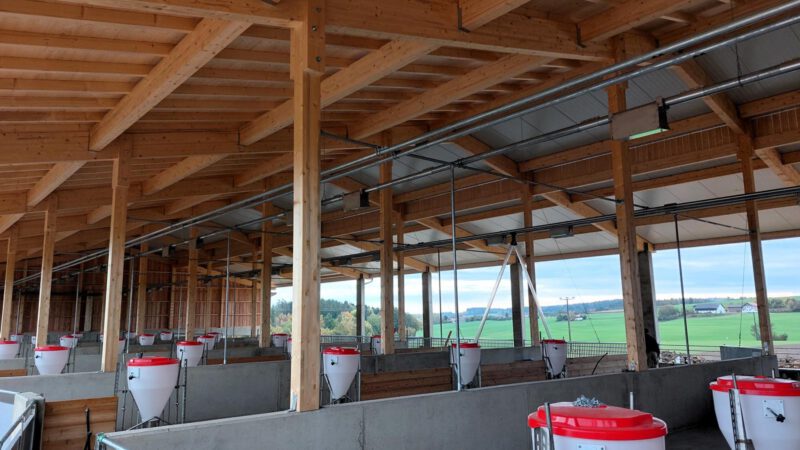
column 387, row 263
column 527, row 219
column 48, row 247
column 759, row 278
column 427, row 299
column 401, row 287
column 191, row 286
column 266, row 278
column 516, row 303
column 307, row 67
column 172, row 320
column 116, row 263
column 360, row 305
column 141, row 292
column 622, row 160
column 254, row 293
column 88, row 313
column 8, row 288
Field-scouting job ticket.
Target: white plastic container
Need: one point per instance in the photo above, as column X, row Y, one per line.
column 51, row 359
column 340, row 365
column 554, row 353
column 606, row 428
column 165, row 336
column 9, row 349
column 376, row 342
column 207, row 340
column 470, row 360
column 151, row 381
column 17, row 337
column 191, row 351
column 147, row 339
column 279, row 339
column 770, row 407
column 217, row 336
column 33, row 340
column 289, row 347
column 68, row 341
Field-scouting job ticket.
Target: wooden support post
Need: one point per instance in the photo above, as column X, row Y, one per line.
column 516, row 303
column 266, row 277
column 191, row 286
column 360, row 305
column 622, row 159
column 116, row 263
column 48, row 247
column 527, row 218
column 387, row 263
column 172, row 320
column 401, row 286
column 759, row 278
column 88, row 313
column 208, row 303
column 427, row 299
column 141, row 292
column 307, row 67
column 647, row 287
column 8, row 287
column 254, row 293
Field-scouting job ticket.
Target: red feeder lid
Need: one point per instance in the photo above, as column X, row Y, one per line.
column 166, row 332
column 340, row 351
column 748, row 385
column 150, row 361
column 212, row 332
column 467, row 345
column 147, row 335
column 207, row 336
column 68, row 336
column 189, row 343
column 604, row 423
column 50, row 348
column 8, row 342
column 378, row 336
column 553, row 341
column 279, row 334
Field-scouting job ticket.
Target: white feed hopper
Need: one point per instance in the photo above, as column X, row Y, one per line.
column 770, row 407
column 340, row 365
column 151, row 381
column 604, row 427
column 289, row 346
column 554, row 353
column 68, row 341
column 50, row 359
column 207, row 340
column 147, row 339
column 216, row 334
column 165, row 335
column 191, row 351
column 279, row 339
column 376, row 342
column 17, row 337
column 470, row 360
column 9, row 349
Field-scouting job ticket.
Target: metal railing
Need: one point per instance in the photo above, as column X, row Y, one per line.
column 587, row 349
column 21, row 434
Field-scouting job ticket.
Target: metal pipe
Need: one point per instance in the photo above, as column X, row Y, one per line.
column 455, row 272
column 104, row 442
column 333, row 173
column 494, row 293
column 683, row 293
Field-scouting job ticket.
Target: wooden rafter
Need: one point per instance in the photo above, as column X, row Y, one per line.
column 786, row 172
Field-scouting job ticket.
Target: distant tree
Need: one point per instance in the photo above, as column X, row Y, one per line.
column 756, row 332
column 668, row 312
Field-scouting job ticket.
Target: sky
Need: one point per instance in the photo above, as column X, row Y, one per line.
column 715, row 271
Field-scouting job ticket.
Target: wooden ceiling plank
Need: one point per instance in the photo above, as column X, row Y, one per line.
column 627, row 15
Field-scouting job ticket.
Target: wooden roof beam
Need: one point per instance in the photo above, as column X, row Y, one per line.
column 627, row 15
column 694, row 77
column 476, row 13
column 786, row 172
column 190, row 54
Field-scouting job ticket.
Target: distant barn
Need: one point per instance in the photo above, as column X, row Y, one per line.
column 710, row 308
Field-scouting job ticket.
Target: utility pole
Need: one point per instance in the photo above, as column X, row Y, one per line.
column 569, row 318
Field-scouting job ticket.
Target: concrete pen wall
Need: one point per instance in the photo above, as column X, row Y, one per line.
column 492, row 417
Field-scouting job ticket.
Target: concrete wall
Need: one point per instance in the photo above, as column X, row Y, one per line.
column 492, row 417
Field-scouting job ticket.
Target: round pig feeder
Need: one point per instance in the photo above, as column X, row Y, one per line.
column 554, row 354
column 9, row 349
column 565, row 426
column 340, row 367
column 166, row 336
column 279, row 340
column 759, row 411
column 151, row 381
column 190, row 353
column 469, row 362
column 376, row 344
column 146, row 339
column 50, row 359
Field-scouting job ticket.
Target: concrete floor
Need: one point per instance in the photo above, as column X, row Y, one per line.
column 706, row 437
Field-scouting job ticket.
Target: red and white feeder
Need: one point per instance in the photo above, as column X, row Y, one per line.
column 376, row 342
column 165, row 335
column 554, row 353
column 289, row 346
column 9, row 349
column 604, row 427
column 17, row 337
column 470, row 360
column 216, row 334
column 147, row 339
column 770, row 407
column 340, row 365
column 279, row 339
column 68, row 341
column 151, row 381
column 191, row 352
column 208, row 341
column 50, row 359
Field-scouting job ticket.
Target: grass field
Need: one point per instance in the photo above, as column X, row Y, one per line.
column 710, row 330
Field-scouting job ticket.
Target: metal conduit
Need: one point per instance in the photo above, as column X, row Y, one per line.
column 328, row 175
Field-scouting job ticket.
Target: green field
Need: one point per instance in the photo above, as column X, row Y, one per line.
column 707, row 330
